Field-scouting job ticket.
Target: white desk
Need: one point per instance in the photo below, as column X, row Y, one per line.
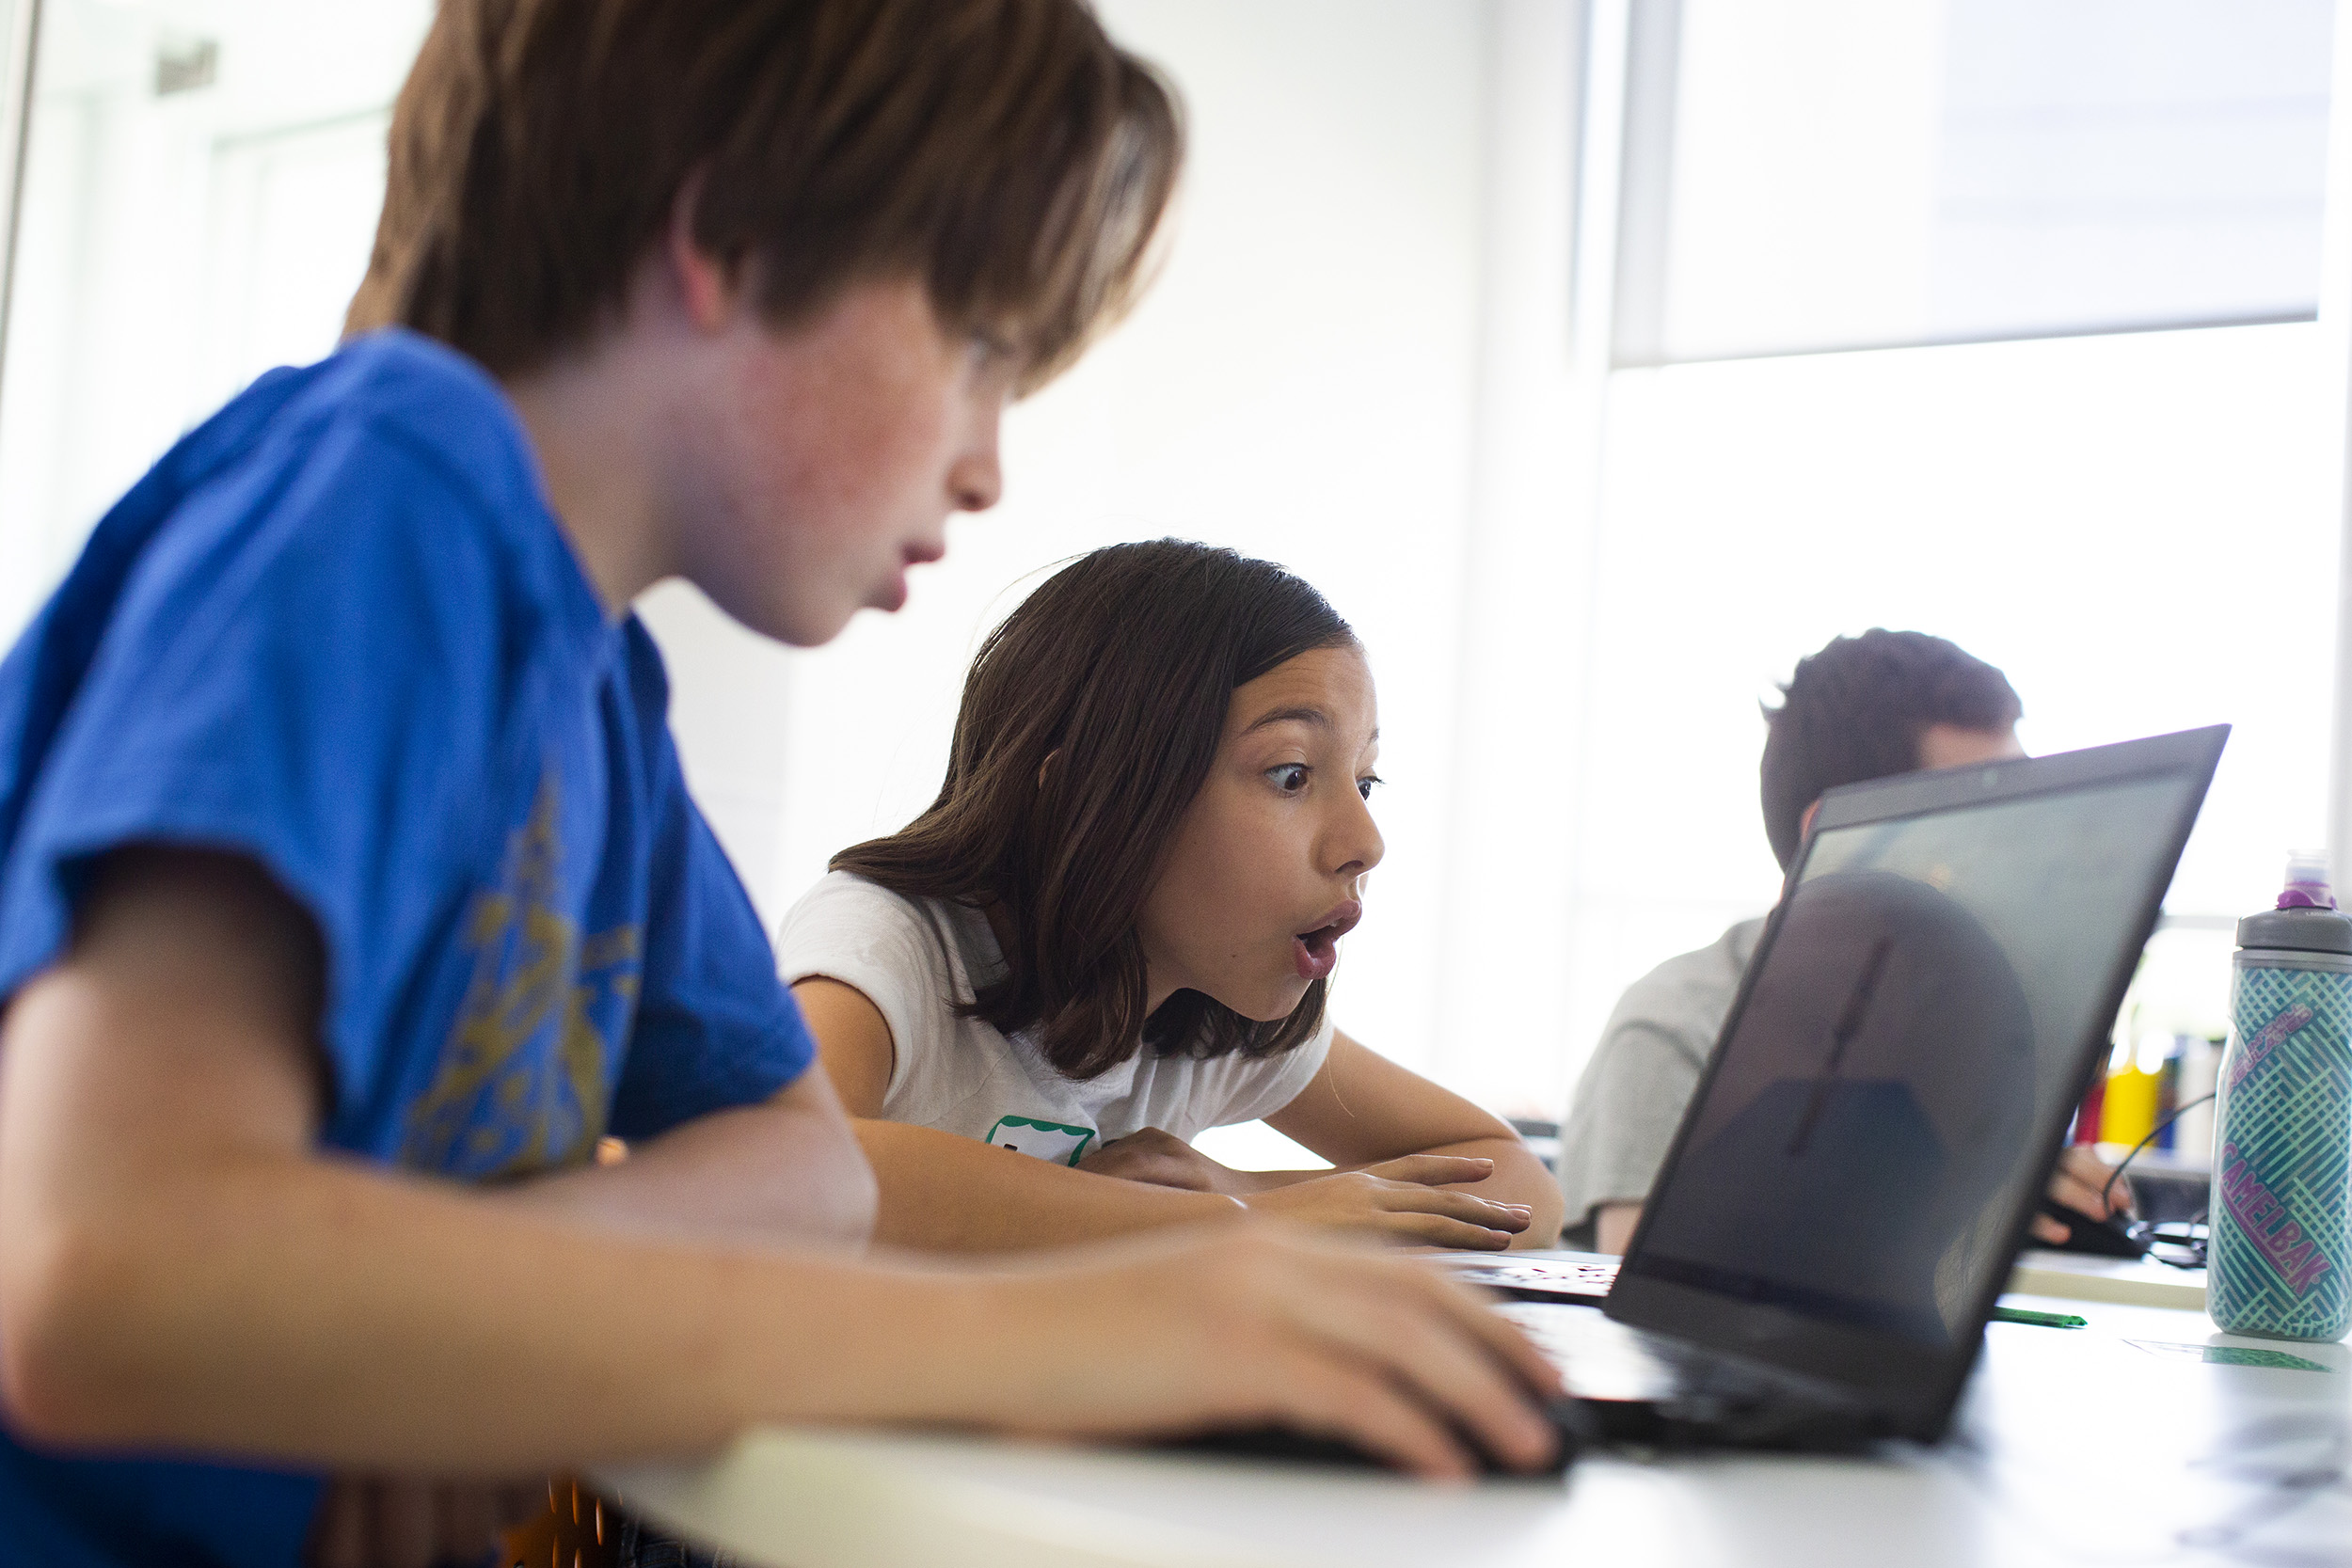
column 2074, row 1446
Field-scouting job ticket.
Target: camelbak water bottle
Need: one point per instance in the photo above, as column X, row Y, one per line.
column 2281, row 1254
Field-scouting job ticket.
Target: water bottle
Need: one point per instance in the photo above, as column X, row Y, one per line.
column 2281, row 1254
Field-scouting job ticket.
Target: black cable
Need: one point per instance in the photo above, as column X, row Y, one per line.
column 2121, row 1165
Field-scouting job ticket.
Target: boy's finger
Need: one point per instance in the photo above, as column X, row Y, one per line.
column 2078, row 1195
column 1449, row 1370
column 2080, row 1169
column 1474, row 1310
column 1330, row 1396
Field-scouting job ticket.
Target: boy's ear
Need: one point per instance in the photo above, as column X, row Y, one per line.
column 706, row 285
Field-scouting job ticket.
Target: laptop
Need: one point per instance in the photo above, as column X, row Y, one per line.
column 1856, row 1170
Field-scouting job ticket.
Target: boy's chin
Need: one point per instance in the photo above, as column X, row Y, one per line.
column 804, row 620
column 806, row 631
column 889, row 597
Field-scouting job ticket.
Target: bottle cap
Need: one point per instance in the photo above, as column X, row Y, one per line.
column 2306, row 919
column 2307, row 881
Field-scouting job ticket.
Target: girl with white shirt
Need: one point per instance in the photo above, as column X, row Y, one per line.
column 1117, row 926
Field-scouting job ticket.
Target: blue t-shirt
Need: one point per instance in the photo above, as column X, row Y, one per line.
column 337, row 628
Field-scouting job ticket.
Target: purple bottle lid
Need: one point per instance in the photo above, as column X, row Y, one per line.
column 2306, row 918
column 2307, row 882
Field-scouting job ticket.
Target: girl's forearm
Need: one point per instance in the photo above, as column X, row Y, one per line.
column 940, row 1192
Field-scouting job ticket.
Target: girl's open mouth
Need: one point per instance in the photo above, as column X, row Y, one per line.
column 1317, row 952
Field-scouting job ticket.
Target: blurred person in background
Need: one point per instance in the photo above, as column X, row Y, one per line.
column 1863, row 707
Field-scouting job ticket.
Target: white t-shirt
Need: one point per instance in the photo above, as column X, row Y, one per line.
column 914, row 960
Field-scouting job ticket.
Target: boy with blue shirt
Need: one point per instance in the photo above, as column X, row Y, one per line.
column 349, row 888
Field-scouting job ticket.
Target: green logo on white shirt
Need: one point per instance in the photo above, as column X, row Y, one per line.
column 1047, row 1140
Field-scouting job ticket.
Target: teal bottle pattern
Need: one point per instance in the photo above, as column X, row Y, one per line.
column 2281, row 1253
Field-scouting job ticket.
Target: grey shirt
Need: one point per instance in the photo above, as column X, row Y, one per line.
column 1630, row 1098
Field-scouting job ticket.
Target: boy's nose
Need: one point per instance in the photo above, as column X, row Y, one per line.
column 976, row 485
column 977, row 482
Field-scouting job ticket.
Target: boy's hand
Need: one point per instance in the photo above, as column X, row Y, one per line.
column 1403, row 1200
column 2077, row 1183
column 1252, row 1326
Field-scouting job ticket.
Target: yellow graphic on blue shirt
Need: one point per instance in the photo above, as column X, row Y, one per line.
column 522, row 1082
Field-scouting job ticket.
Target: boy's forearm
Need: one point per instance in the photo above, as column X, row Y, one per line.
column 940, row 1192
column 789, row 1171
column 286, row 1308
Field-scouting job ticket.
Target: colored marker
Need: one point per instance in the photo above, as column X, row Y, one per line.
column 2039, row 1319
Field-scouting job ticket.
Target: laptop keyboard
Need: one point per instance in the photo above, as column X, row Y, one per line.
column 1597, row 1359
column 1650, row 1390
column 1585, row 1280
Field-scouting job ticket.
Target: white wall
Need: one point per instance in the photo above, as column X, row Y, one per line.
column 172, row 247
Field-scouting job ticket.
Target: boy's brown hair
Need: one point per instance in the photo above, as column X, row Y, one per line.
column 1855, row 711
column 1003, row 151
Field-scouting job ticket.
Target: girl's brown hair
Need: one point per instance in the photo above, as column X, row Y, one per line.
column 1003, row 151
column 1089, row 722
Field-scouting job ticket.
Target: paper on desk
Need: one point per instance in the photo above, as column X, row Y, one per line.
column 2231, row 1355
column 2132, row 1281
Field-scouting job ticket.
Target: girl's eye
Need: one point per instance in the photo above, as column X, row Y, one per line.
column 1370, row 781
column 1290, row 778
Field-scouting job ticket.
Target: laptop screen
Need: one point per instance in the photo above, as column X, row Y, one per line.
column 1916, row 1024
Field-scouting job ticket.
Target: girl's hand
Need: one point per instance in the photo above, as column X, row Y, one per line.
column 1164, row 1160
column 1248, row 1326
column 1403, row 1200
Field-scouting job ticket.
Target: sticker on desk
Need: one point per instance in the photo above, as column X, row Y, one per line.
column 2230, row 1356
column 1047, row 1140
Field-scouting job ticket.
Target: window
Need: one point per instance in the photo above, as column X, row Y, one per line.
column 1843, row 173
column 201, row 184
column 2138, row 526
